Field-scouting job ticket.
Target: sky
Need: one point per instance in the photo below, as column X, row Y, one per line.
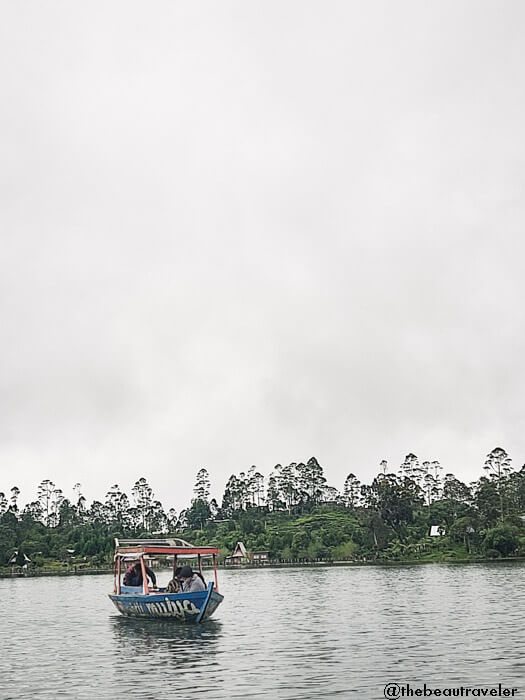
column 247, row 233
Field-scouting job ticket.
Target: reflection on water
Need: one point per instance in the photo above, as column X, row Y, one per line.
column 130, row 629
column 159, row 640
column 170, row 652
column 288, row 634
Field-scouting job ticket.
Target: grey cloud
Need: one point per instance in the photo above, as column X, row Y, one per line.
column 250, row 233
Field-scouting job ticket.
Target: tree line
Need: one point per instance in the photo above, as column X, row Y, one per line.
column 293, row 513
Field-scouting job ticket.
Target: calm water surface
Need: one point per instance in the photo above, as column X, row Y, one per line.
column 280, row 633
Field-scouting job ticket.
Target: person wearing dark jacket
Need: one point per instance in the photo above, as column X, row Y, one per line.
column 191, row 581
column 133, row 576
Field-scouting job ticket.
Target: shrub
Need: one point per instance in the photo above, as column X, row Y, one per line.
column 504, row 539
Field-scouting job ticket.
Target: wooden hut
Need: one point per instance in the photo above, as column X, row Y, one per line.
column 239, row 556
column 262, row 557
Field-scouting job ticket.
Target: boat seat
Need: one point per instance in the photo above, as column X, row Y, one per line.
column 131, row 590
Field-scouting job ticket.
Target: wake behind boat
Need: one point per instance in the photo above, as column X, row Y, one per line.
column 146, row 600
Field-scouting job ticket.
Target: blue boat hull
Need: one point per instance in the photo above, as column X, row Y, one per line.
column 179, row 607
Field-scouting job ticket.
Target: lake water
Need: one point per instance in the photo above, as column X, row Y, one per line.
column 280, row 633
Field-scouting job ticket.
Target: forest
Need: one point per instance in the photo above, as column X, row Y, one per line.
column 293, row 514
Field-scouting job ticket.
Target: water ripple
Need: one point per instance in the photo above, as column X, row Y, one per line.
column 286, row 634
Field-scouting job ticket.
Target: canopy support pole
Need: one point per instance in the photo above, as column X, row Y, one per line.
column 145, row 586
column 118, row 565
column 215, row 573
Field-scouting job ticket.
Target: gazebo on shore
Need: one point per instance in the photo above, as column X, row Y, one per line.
column 239, row 556
column 242, row 556
column 21, row 561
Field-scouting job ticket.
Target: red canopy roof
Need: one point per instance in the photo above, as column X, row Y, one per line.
column 168, row 546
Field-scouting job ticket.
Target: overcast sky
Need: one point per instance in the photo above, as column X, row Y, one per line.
column 239, row 233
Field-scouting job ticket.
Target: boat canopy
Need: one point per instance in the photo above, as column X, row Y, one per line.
column 136, row 548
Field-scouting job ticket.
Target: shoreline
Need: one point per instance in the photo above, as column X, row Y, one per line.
column 273, row 565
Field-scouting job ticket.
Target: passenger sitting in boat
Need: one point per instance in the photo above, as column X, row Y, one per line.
column 191, row 582
column 175, row 585
column 133, row 576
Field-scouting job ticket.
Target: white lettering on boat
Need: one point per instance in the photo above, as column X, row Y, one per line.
column 166, row 608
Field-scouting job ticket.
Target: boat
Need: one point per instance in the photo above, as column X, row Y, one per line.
column 156, row 602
